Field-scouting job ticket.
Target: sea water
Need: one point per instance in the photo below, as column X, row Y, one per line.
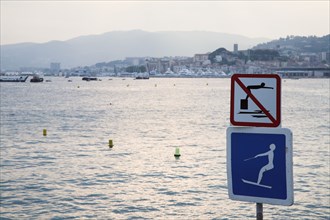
column 71, row 173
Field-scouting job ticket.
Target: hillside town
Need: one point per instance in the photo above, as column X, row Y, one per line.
column 293, row 57
column 220, row 63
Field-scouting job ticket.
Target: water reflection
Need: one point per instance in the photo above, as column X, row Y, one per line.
column 72, row 173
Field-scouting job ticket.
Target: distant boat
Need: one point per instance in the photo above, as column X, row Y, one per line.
column 88, row 78
column 153, row 73
column 13, row 78
column 36, row 78
column 186, row 72
column 169, row 72
column 142, row 76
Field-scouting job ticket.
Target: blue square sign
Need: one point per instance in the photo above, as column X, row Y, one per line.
column 259, row 165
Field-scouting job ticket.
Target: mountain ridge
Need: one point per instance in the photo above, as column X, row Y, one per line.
column 89, row 49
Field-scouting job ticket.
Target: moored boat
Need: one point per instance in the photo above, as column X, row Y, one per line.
column 36, row 78
column 13, row 78
column 142, row 76
column 88, row 78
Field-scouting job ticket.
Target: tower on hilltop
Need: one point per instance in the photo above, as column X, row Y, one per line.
column 235, row 48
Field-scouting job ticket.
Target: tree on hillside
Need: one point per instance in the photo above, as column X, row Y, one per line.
column 264, row 55
column 138, row 69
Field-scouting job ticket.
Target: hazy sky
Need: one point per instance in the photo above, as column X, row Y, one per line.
column 42, row 21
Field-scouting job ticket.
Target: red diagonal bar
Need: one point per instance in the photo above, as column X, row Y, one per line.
column 255, row 100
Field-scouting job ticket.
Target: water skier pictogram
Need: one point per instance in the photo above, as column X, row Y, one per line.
column 267, row 167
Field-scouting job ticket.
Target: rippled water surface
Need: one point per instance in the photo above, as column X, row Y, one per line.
column 72, row 174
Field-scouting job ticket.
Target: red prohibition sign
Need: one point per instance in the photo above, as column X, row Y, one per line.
column 275, row 121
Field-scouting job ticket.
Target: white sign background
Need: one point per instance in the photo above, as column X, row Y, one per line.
column 266, row 97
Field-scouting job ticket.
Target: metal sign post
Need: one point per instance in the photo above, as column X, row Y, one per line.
column 260, row 214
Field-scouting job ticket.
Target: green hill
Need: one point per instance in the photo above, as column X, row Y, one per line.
column 310, row 44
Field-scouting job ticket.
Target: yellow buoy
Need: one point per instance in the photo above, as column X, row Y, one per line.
column 110, row 143
column 44, row 132
column 177, row 152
